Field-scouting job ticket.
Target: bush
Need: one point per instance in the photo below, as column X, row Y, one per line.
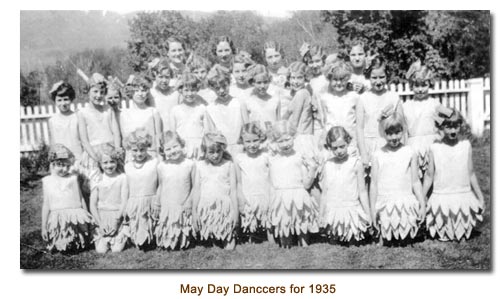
column 34, row 165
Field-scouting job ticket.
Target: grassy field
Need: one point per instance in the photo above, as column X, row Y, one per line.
column 427, row 254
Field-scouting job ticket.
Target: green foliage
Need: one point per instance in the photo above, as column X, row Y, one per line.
column 30, row 89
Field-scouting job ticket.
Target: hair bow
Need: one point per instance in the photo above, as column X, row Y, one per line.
column 442, row 113
column 304, row 49
column 55, row 87
column 153, row 63
column 59, row 151
column 386, row 112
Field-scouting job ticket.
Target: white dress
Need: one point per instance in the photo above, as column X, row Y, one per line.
column 293, row 211
column 453, row 211
column 175, row 224
column 64, row 130
column 343, row 215
column 256, row 189
column 134, row 118
column 214, row 208
column 188, row 122
column 68, row 224
column 263, row 111
column 164, row 104
column 396, row 205
column 421, row 129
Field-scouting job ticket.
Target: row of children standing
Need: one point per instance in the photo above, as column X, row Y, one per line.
column 318, row 145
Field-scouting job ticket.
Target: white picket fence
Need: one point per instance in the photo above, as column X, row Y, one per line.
column 471, row 97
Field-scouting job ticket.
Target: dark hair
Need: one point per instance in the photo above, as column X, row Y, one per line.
column 377, row 63
column 252, row 128
column 273, row 45
column 336, row 133
column 174, row 39
column 313, row 51
column 64, row 89
column 220, row 39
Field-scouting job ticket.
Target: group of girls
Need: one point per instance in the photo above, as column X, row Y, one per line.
column 238, row 150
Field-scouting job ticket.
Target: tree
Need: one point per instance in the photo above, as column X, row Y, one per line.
column 30, row 89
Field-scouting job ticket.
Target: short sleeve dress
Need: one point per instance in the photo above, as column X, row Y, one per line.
column 453, row 211
column 396, row 205
column 175, row 223
column 164, row 104
column 256, row 189
column 189, row 125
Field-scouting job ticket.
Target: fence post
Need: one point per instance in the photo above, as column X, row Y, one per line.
column 475, row 102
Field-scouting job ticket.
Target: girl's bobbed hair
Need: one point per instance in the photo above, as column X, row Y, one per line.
column 281, row 128
column 338, row 70
column 391, row 121
column 97, row 81
column 445, row 116
column 196, row 62
column 62, row 89
column 217, row 76
column 117, row 155
column 376, row 63
column 357, row 43
column 214, row 140
column 297, row 67
column 243, row 58
column 173, row 39
column 419, row 75
column 255, row 70
column 140, row 138
column 171, row 135
column 60, row 152
column 312, row 51
column 220, row 39
column 190, row 80
column 141, row 81
column 158, row 66
column 336, row 133
column 252, row 128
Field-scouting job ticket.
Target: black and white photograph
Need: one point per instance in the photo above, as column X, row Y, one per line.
column 255, row 140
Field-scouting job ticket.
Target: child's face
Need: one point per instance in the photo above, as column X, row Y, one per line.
column 378, row 79
column 188, row 93
column 214, row 154
column 338, row 85
column 297, row 80
column 163, row 79
column 261, row 84
column 176, row 52
column 112, row 97
column 239, row 73
column 251, row 143
column 140, row 95
column 315, row 64
column 173, row 150
column 139, row 153
column 357, row 56
column 285, row 144
column 61, row 167
column 394, row 138
column 339, row 148
column 200, row 73
column 108, row 165
column 273, row 58
column 451, row 131
column 222, row 91
column 421, row 90
column 224, row 52
column 96, row 96
column 63, row 103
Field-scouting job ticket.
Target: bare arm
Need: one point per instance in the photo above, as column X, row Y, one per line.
column 189, row 202
column 360, row 132
column 158, row 130
column 94, row 197
column 233, row 194
column 363, row 193
column 196, row 199
column 429, row 175
column 417, row 186
column 374, row 190
column 473, row 180
column 244, row 113
column 309, row 171
column 124, row 194
column 82, row 128
column 297, row 105
column 241, row 197
column 115, row 129
column 45, row 212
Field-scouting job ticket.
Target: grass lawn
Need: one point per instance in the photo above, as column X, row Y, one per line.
column 428, row 254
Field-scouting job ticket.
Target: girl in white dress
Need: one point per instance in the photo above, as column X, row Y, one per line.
column 176, row 54
column 141, row 115
column 369, row 108
column 456, row 204
column 226, row 114
column 293, row 212
column 200, row 67
column 176, row 177
column 109, row 200
column 241, row 89
column 252, row 173
column 360, row 63
column 142, row 178
column 396, row 199
column 215, row 203
column 63, row 126
column 274, row 56
column 187, row 118
column 419, row 113
column 163, row 96
column 66, row 224
column 344, row 207
column 339, row 104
